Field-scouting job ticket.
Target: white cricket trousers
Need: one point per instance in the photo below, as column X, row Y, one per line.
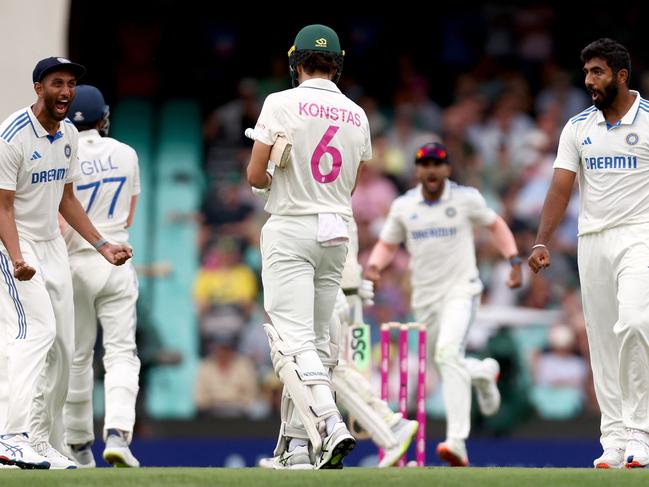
column 447, row 326
column 301, row 278
column 614, row 276
column 109, row 294
column 39, row 335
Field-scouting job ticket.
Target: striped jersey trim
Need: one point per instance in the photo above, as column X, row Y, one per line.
column 13, row 292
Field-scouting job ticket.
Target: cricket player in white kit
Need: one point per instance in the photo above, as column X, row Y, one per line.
column 387, row 429
column 304, row 242
column 38, row 163
column 108, row 189
column 607, row 147
column 436, row 220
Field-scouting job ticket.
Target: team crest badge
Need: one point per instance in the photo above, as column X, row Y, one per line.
column 67, row 151
column 450, row 212
column 632, row 139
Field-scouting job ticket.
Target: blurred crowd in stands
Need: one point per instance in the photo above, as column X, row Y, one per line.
column 495, row 83
column 502, row 137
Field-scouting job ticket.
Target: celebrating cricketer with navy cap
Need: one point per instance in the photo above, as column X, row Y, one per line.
column 50, row 64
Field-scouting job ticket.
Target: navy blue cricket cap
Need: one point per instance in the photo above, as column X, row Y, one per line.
column 88, row 105
column 49, row 64
column 434, row 151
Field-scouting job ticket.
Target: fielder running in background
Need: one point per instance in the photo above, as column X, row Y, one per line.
column 607, row 146
column 108, row 189
column 38, row 164
column 436, row 221
column 304, row 242
column 387, row 429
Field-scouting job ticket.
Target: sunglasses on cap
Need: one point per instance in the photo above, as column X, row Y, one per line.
column 434, row 152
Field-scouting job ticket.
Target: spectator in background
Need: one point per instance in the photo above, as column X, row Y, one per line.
column 560, row 375
column 225, row 212
column 374, row 192
column 560, row 365
column 226, row 382
column 223, row 279
column 225, row 288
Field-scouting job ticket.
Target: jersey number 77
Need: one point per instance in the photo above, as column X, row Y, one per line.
column 95, row 189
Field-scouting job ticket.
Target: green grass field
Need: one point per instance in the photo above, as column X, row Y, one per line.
column 349, row 477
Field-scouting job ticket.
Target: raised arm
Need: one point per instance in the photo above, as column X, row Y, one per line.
column 506, row 243
column 381, row 256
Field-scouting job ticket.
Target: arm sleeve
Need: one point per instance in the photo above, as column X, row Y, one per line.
column 568, row 156
column 136, row 174
column 268, row 127
column 10, row 160
column 393, row 231
column 74, row 171
column 479, row 212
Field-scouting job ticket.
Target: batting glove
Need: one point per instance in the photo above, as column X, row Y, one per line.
column 366, row 292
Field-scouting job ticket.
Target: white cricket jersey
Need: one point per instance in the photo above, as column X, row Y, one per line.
column 330, row 136
column 612, row 164
column 110, row 177
column 37, row 166
column 439, row 238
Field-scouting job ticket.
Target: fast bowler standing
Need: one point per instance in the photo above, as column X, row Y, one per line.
column 607, row 146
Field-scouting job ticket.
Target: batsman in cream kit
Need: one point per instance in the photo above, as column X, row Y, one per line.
column 304, row 242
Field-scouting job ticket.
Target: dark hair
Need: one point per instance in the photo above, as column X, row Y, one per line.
column 614, row 53
column 324, row 62
column 85, row 126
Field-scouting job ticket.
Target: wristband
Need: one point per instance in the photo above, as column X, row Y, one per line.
column 539, row 245
column 515, row 260
column 99, row 243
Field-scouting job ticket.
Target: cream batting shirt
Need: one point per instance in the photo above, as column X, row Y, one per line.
column 37, row 165
column 330, row 136
column 612, row 165
column 110, row 177
column 439, row 238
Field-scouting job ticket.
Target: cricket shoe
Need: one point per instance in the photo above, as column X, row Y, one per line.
column 296, row 459
column 82, row 455
column 335, row 447
column 611, row 458
column 117, row 452
column 637, row 450
column 404, row 430
column 57, row 460
column 486, row 388
column 453, row 452
column 16, row 450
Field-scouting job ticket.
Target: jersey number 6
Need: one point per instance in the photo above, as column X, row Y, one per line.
column 321, row 149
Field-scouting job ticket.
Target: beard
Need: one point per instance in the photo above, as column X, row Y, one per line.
column 609, row 93
column 51, row 109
